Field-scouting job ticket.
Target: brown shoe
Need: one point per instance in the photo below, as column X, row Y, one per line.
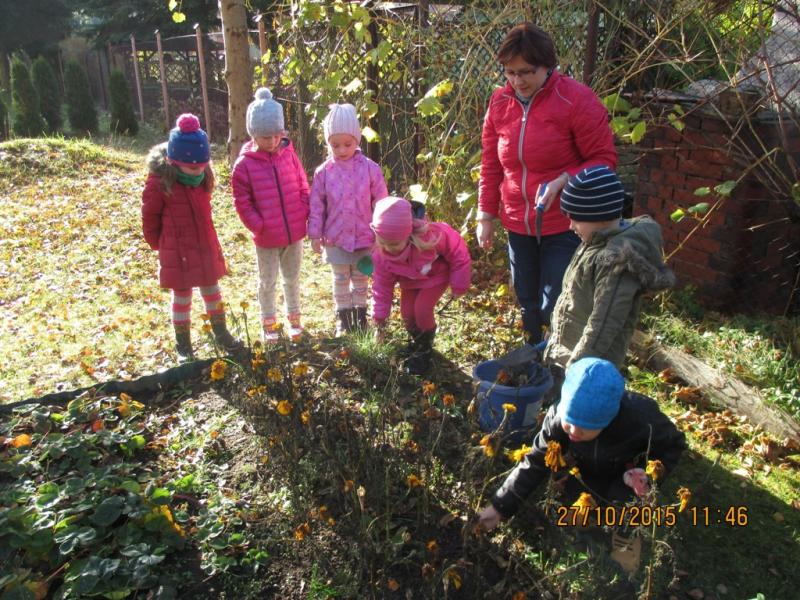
column 183, row 342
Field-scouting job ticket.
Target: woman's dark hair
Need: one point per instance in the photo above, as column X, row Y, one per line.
column 532, row 43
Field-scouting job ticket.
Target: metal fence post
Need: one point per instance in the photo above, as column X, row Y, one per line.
column 201, row 58
column 423, row 12
column 135, row 57
column 163, row 72
column 373, row 148
column 262, row 45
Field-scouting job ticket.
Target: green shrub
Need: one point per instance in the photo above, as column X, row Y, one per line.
column 46, row 84
column 28, row 121
column 81, row 112
column 123, row 119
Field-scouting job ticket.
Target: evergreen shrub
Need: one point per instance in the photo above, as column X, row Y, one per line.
column 123, row 119
column 46, row 84
column 28, row 121
column 81, row 111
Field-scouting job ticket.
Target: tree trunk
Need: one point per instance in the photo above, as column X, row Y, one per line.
column 238, row 71
column 722, row 389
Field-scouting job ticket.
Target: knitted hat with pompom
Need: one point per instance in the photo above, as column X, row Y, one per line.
column 188, row 144
column 264, row 115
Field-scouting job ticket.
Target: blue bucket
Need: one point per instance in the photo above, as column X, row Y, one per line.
column 527, row 399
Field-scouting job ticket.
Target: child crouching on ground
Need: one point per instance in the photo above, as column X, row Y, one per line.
column 424, row 259
column 608, row 433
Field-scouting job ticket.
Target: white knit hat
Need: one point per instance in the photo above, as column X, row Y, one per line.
column 264, row 115
column 342, row 118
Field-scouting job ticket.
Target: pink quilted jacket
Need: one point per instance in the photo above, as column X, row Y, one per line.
column 448, row 261
column 270, row 192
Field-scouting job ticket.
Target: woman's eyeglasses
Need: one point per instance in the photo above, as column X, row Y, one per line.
column 519, row 73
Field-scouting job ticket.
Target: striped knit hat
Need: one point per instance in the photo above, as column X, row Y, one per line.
column 594, row 194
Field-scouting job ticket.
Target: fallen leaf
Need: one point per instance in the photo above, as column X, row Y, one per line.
column 392, row 584
column 696, row 594
column 22, row 440
column 777, row 517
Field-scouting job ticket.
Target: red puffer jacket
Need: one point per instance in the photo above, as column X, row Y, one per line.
column 270, row 192
column 180, row 227
column 565, row 128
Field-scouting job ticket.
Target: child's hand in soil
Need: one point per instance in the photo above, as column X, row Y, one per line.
column 637, row 479
column 488, row 518
column 316, row 246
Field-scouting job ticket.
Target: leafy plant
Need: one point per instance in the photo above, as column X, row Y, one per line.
column 81, row 111
column 27, row 121
column 46, row 84
column 123, row 119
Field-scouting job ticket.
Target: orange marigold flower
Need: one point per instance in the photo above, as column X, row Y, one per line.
column 274, row 374
column 284, row 408
column 205, row 317
column 300, row 370
column 98, row 425
column 519, row 454
column 324, row 513
column 305, row 417
column 519, row 596
column 448, row 400
column 655, row 469
column 575, row 472
column 331, row 522
column 685, row 496
column 206, row 328
column 552, row 458
column 432, row 546
column 392, row 584
column 428, row 387
column 489, row 448
column 509, row 408
column 21, row 441
column 502, row 377
column 218, row 368
column 302, row 531
column 584, row 502
column 244, row 304
column 348, row 485
column 413, row 481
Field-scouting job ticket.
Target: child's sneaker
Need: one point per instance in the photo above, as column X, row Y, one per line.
column 295, row 328
column 270, row 330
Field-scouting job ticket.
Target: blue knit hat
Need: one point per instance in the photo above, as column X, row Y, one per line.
column 264, row 115
column 188, row 144
column 591, row 393
column 594, row 194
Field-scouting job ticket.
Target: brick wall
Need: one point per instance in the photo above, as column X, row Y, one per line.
column 747, row 257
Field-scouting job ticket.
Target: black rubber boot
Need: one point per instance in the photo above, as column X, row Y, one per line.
column 183, row 342
column 420, row 360
column 411, row 345
column 222, row 336
column 344, row 322
column 359, row 318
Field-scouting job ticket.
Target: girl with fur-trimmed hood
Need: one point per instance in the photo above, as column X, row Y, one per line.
column 176, row 220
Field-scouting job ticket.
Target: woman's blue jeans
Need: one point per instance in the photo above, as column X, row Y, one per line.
column 537, row 270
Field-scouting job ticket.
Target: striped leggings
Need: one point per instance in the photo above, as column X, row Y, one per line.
column 182, row 303
column 349, row 287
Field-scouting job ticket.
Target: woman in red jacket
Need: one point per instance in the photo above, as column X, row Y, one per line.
column 540, row 128
column 176, row 219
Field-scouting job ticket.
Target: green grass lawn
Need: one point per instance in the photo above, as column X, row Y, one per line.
column 82, row 304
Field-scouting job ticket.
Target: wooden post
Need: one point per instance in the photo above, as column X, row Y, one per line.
column 591, row 44
column 262, row 45
column 135, row 57
column 373, row 148
column 163, row 71
column 423, row 14
column 203, row 85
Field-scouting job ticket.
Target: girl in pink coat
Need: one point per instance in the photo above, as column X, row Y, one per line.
column 270, row 191
column 424, row 259
column 343, row 194
column 176, row 221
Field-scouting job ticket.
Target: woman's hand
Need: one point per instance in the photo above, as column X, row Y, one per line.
column 553, row 189
column 488, row 518
column 316, row 246
column 484, row 233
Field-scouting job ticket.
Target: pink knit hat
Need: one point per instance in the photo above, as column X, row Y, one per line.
column 391, row 219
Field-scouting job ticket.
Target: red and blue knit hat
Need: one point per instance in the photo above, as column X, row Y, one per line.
column 188, row 144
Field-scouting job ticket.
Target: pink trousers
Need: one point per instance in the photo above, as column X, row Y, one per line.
column 417, row 306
